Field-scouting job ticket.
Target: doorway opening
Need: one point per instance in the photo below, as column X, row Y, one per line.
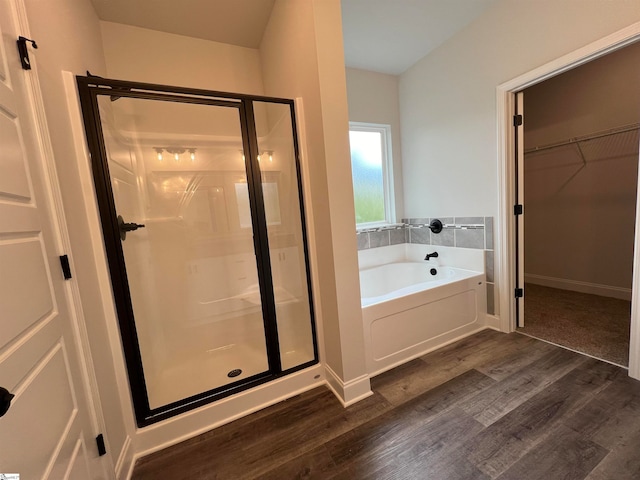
column 509, row 299
column 202, row 216
column 579, row 181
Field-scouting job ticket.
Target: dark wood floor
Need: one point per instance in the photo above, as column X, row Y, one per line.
column 489, row 406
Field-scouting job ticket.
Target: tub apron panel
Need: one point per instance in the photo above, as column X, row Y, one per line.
column 403, row 320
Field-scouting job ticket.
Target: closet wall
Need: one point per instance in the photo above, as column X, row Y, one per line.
column 580, row 196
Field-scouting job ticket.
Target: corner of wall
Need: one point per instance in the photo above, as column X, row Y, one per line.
column 348, row 392
column 301, row 56
column 335, row 127
column 493, row 322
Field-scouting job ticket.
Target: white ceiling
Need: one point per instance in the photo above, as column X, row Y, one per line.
column 237, row 22
column 381, row 35
column 389, row 36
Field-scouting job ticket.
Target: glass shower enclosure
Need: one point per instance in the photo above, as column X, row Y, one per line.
column 202, row 215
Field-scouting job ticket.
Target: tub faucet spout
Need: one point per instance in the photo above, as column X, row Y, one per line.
column 431, row 255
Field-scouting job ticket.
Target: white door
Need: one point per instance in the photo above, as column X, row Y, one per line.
column 47, row 432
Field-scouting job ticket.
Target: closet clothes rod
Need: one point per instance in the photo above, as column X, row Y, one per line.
column 593, row 136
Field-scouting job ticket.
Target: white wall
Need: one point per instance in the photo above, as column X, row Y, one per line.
column 68, row 36
column 374, row 98
column 448, row 99
column 302, row 56
column 143, row 55
column 580, row 217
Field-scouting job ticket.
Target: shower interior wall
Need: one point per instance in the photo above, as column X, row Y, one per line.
column 191, row 270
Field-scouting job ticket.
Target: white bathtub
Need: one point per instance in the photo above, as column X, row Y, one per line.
column 394, row 280
column 408, row 312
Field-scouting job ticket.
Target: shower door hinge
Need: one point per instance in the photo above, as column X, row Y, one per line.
column 66, row 268
column 519, row 292
column 102, row 449
column 517, row 120
column 517, row 209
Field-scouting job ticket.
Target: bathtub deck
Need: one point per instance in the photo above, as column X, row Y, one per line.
column 489, row 406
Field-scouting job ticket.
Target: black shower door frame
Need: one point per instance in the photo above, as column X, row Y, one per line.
column 92, row 87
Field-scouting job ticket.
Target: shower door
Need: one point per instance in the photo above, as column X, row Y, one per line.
column 191, row 222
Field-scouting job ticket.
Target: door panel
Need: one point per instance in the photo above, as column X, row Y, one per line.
column 34, row 401
column 39, row 361
column 17, row 217
column 24, row 286
column 192, row 276
column 71, row 461
column 283, row 210
column 13, row 175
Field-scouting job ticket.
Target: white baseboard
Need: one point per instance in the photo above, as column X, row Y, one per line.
column 578, row 286
column 124, row 465
column 348, row 392
column 493, row 322
column 190, row 424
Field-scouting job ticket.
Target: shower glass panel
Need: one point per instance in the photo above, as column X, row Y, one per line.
column 179, row 170
column 281, row 193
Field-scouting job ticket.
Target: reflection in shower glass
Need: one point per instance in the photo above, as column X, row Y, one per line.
column 175, row 168
column 286, row 243
column 271, row 204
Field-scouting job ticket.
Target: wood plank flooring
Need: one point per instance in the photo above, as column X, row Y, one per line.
column 491, row 406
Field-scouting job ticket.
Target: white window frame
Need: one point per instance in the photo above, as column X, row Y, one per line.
column 387, row 171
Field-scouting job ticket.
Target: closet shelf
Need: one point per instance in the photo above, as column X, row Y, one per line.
column 584, row 138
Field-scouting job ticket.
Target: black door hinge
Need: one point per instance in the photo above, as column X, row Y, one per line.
column 519, row 292
column 517, row 209
column 102, row 450
column 24, row 52
column 66, row 268
column 517, row 120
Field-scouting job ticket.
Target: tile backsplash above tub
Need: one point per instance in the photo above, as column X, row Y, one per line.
column 460, row 232
column 381, row 236
column 463, row 232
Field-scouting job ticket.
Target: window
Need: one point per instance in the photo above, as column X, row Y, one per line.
column 371, row 166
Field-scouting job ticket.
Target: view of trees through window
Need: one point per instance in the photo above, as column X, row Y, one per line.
column 367, row 157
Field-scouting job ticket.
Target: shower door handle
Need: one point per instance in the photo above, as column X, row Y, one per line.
column 125, row 227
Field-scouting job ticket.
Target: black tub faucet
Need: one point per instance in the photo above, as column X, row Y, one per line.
column 431, row 255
